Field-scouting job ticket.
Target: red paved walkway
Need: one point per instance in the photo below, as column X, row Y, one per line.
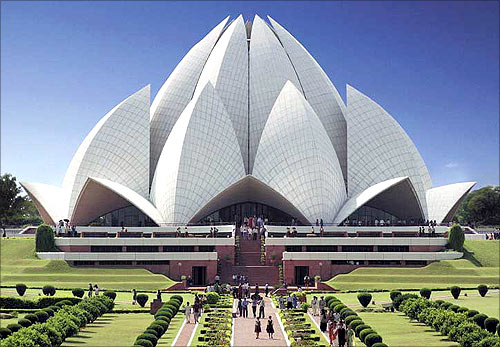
column 185, row 334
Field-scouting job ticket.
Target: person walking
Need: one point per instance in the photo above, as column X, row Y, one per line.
column 332, row 333
column 281, row 303
column 323, row 321
column 314, row 306
column 270, row 327
column 240, row 307
column 91, row 288
column 321, row 303
column 96, row 290
column 187, row 312
column 244, row 306
column 350, row 337
column 254, row 306
column 134, row 296
column 196, row 312
column 262, row 305
column 258, row 328
column 267, row 289
column 341, row 335
column 294, row 301
column 289, row 302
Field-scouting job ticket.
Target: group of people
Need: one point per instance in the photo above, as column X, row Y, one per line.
column 253, row 228
column 288, row 302
column 494, row 235
column 339, row 334
column 256, row 302
column 243, row 290
column 63, row 227
column 196, row 309
column 269, row 327
column 93, row 289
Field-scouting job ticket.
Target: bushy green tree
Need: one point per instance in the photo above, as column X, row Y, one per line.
column 44, row 239
column 481, row 206
column 456, row 238
column 15, row 209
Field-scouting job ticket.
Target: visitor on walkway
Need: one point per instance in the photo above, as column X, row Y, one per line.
column 336, row 317
column 267, row 289
column 158, row 295
column 332, row 333
column 314, row 306
column 323, row 321
column 350, row 337
column 196, row 312
column 257, row 290
column 294, row 301
column 258, row 328
column 91, row 288
column 281, row 303
column 341, row 335
column 270, row 327
column 244, row 306
column 321, row 303
column 262, row 306
column 289, row 302
column 187, row 312
column 240, row 307
column 96, row 290
column 254, row 306
column 134, row 296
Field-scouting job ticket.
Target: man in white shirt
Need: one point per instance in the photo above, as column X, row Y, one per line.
column 187, row 312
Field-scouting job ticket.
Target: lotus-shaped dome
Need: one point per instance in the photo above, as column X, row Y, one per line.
column 248, row 115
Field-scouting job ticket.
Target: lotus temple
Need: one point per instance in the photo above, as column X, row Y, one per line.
column 248, row 125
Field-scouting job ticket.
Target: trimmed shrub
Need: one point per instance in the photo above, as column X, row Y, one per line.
column 455, row 291
column 304, row 306
column 49, row 290
column 454, row 308
column 438, row 303
column 364, row 299
column 355, row 323
column 471, row 313
column 78, row 292
column 456, row 238
column 373, row 338
column 33, row 318
column 64, row 302
column 4, row 332
column 24, row 322
column 14, row 327
column 350, row 319
column 152, row 331
column 21, row 289
column 463, row 310
column 144, row 343
column 212, row 298
column 42, row 316
column 158, row 328
column 364, row 333
column 445, row 305
column 361, row 327
column 479, row 319
column 150, row 337
column 498, row 329
column 482, row 289
column 49, row 311
column 401, row 298
column 379, row 344
column 339, row 307
column 44, row 239
column 425, row 293
column 142, row 299
column 394, row 294
column 110, row 294
column 490, row 324
column 490, row 341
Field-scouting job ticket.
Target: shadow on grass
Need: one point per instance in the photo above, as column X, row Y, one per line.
column 470, row 257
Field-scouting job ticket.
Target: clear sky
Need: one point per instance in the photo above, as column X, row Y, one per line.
column 433, row 65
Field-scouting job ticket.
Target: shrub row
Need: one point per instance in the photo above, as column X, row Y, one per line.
column 467, row 327
column 11, row 302
column 150, row 336
column 61, row 321
column 363, row 331
column 216, row 328
column 298, row 330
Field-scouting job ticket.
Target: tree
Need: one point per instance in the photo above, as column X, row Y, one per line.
column 481, row 207
column 15, row 209
column 456, row 238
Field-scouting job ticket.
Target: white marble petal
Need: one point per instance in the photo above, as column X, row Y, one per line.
column 443, row 201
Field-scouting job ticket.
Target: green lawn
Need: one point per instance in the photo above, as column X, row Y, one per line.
column 173, row 329
column 112, row 330
column 481, row 266
column 19, row 264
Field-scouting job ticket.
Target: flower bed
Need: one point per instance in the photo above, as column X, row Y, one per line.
column 216, row 323
column 460, row 324
column 162, row 318
column 51, row 326
column 299, row 331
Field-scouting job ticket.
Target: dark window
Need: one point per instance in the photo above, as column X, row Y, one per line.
column 393, row 248
column 178, row 249
column 207, row 248
column 153, row 262
column 384, row 262
column 416, row 262
column 347, row 262
column 83, row 263
column 105, row 249
column 293, row 248
column 142, row 249
column 321, row 248
column 357, row 248
column 115, row 262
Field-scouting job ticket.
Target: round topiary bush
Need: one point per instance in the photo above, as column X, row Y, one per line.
column 149, row 337
column 212, row 298
column 144, row 343
column 142, row 299
column 24, row 322
column 42, row 316
column 14, row 327
column 48, row 290
column 158, row 328
column 162, row 323
column 379, row 344
column 31, row 317
column 78, row 292
column 110, row 294
column 64, row 302
column 364, row 333
column 350, row 319
column 339, row 307
column 361, row 327
column 456, row 238
column 425, row 293
column 163, row 319
column 44, row 239
column 438, row 303
column 482, row 289
column 355, row 323
column 54, row 308
column 445, row 305
column 479, row 319
column 394, row 294
column 152, row 331
column 364, row 299
column 490, row 324
column 462, row 310
column 454, row 308
column 4, row 332
column 498, row 329
column 455, row 291
column 21, row 288
column 372, row 339
column 471, row 313
column 49, row 311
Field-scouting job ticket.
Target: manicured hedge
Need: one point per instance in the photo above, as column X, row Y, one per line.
column 455, row 291
column 78, row 292
column 142, row 299
column 65, row 323
column 44, row 239
column 482, row 289
column 425, row 293
column 21, row 289
column 364, row 299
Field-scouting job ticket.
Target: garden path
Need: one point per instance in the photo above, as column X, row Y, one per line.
column 185, row 333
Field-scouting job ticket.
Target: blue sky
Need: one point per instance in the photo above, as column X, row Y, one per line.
column 433, row 65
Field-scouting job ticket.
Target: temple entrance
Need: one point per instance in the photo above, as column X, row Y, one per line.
column 199, row 276
column 300, row 273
